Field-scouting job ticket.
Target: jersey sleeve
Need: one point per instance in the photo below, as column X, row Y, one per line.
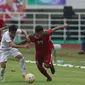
column 31, row 37
column 48, row 32
column 7, row 38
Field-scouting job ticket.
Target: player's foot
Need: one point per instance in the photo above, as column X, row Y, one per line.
column 2, row 79
column 81, row 52
column 49, row 79
column 23, row 76
column 52, row 70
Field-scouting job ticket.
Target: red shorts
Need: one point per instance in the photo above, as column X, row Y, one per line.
column 46, row 59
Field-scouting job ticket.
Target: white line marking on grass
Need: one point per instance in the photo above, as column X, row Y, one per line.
column 71, row 71
column 61, row 64
column 29, row 61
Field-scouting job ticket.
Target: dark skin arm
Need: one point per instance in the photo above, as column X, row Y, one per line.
column 24, row 42
column 59, row 27
column 12, row 44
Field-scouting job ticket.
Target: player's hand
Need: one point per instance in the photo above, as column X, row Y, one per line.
column 26, row 37
column 65, row 25
column 26, row 46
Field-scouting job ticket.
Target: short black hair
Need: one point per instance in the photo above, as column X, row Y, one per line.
column 38, row 28
column 13, row 28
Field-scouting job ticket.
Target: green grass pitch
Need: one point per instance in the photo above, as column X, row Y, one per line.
column 63, row 75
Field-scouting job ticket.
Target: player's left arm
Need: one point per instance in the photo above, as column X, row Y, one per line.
column 59, row 27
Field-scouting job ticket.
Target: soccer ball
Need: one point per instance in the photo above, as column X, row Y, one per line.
column 29, row 78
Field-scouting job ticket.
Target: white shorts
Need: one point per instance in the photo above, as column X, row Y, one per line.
column 8, row 53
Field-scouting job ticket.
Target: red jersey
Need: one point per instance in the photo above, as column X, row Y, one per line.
column 51, row 44
column 2, row 24
column 43, row 45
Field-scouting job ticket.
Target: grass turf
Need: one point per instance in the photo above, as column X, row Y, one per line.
column 63, row 75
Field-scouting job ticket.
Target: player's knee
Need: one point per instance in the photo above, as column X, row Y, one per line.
column 3, row 64
column 39, row 64
column 46, row 65
column 19, row 57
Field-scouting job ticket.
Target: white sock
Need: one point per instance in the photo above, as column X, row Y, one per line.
column 2, row 71
column 22, row 65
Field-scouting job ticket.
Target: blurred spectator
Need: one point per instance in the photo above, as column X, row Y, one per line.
column 15, row 10
column 3, row 26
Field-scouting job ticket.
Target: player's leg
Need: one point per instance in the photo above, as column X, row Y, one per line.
column 48, row 63
column 3, row 61
column 22, row 64
column 51, row 66
column 39, row 62
column 15, row 52
column 54, row 54
column 2, row 71
column 82, row 48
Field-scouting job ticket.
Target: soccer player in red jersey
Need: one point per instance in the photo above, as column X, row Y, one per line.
column 44, row 46
column 3, row 26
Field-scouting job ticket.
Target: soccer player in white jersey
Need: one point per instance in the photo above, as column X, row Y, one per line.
column 9, row 49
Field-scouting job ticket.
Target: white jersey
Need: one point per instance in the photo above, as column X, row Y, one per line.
column 6, row 39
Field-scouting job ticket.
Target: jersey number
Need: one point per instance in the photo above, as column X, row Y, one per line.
column 40, row 42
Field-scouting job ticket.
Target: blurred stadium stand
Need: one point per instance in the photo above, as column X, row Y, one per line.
column 76, row 30
column 49, row 18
